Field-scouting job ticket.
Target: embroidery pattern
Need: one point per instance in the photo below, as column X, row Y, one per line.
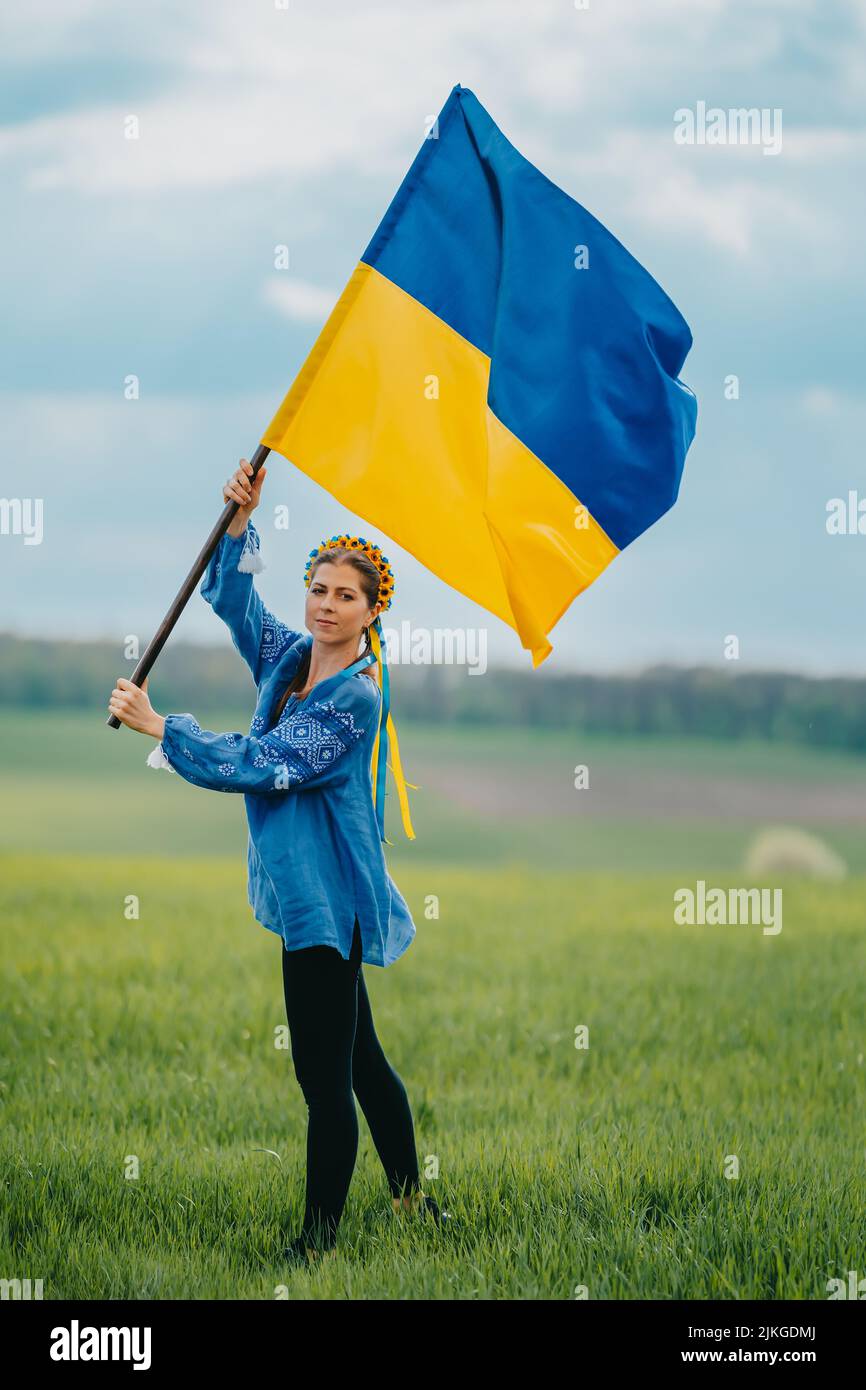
column 275, row 636
column 345, row 718
column 289, row 774
column 310, row 739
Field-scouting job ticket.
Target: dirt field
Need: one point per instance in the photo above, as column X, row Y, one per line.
column 502, row 793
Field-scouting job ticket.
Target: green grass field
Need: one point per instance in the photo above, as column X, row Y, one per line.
column 153, row 1136
column 488, row 798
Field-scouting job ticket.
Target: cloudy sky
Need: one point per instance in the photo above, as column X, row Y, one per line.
column 263, row 124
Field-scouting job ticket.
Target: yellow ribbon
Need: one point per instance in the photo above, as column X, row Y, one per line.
column 397, row 768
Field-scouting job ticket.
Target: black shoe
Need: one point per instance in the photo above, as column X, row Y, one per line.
column 430, row 1205
column 296, row 1253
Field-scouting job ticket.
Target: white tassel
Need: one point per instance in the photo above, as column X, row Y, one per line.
column 157, row 758
column 251, row 561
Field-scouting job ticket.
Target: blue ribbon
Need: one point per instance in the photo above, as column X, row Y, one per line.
column 383, row 733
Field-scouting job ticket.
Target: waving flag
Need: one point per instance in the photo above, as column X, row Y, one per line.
column 497, row 387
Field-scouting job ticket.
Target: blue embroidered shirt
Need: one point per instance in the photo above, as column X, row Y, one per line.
column 314, row 857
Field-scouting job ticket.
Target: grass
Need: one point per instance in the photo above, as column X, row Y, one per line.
column 153, row 1135
column 73, row 786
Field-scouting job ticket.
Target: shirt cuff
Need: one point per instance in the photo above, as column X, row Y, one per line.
column 250, row 560
column 177, row 726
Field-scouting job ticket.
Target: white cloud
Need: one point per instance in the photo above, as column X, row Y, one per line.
column 724, row 196
column 292, row 97
column 818, row 144
column 832, row 404
column 299, row 300
column 262, row 92
column 820, row 400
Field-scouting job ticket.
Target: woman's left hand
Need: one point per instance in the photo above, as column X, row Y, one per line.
column 131, row 705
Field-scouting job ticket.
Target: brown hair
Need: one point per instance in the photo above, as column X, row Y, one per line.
column 370, row 580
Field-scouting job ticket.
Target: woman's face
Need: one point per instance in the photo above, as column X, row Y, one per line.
column 337, row 607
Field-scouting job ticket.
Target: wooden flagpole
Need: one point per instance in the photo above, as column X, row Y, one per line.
column 161, row 636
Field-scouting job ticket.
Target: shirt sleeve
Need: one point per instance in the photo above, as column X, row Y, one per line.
column 306, row 749
column 228, row 587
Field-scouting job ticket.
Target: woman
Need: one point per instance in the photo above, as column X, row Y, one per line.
column 317, row 872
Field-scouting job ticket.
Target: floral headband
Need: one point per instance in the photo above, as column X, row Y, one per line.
column 372, row 552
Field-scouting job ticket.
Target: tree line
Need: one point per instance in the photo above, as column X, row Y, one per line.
column 708, row 702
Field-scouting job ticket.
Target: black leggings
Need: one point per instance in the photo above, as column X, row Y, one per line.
column 335, row 1050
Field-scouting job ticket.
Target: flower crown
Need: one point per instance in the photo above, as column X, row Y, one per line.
column 372, row 552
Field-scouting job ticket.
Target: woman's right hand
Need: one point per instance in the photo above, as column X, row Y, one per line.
column 247, row 494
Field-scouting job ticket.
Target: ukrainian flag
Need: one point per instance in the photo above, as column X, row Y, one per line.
column 497, row 387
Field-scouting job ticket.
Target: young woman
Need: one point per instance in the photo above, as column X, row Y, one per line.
column 316, row 869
